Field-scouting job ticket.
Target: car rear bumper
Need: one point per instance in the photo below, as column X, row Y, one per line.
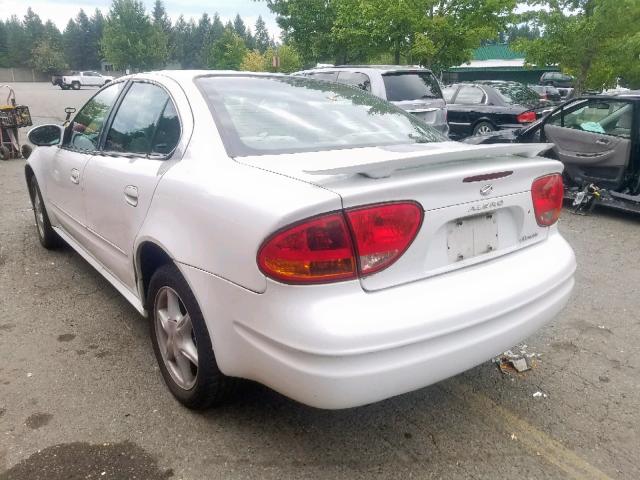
column 337, row 346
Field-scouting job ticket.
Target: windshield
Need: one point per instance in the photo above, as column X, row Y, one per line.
column 411, row 86
column 272, row 115
column 516, row 93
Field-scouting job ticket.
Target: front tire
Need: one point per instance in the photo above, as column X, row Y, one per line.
column 483, row 128
column 182, row 344
column 49, row 239
column 75, row 85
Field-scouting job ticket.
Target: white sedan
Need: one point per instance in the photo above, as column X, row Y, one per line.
column 302, row 234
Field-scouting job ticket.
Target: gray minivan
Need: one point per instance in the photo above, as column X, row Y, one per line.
column 413, row 89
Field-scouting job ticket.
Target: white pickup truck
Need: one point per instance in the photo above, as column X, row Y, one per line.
column 78, row 80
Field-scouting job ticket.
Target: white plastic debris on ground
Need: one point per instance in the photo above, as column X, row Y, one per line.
column 518, row 359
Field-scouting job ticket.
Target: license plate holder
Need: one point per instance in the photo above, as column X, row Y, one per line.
column 472, row 236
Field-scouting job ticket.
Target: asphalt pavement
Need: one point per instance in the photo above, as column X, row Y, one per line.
column 81, row 396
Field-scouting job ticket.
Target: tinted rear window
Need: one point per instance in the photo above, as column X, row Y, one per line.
column 411, row 86
column 272, row 115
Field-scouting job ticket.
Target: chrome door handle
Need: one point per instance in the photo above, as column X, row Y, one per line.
column 75, row 176
column 131, row 195
column 603, row 141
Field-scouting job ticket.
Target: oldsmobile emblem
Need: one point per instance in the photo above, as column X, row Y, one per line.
column 486, row 190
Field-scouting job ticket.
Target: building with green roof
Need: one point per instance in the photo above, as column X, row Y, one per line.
column 496, row 62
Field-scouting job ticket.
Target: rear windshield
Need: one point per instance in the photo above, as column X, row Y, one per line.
column 272, row 115
column 517, row 94
column 411, row 86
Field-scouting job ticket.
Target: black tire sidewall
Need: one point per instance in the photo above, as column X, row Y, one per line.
column 49, row 239
column 75, row 85
column 210, row 386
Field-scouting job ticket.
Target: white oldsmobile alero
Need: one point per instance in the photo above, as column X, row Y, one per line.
column 303, row 234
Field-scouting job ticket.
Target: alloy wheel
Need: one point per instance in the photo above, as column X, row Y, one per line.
column 176, row 339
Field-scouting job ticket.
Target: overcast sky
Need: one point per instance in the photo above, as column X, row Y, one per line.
column 61, row 10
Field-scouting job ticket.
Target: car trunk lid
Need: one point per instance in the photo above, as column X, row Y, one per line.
column 477, row 200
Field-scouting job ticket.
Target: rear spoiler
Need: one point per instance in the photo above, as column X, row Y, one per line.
column 385, row 167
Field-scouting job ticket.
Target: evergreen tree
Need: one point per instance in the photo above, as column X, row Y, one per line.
column 33, row 31
column 15, row 43
column 250, row 40
column 201, row 41
column 160, row 18
column 217, row 28
column 97, row 29
column 261, row 36
column 239, row 27
column 3, row 45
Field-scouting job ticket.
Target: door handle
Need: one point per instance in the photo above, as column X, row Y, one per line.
column 75, row 176
column 131, row 195
column 603, row 141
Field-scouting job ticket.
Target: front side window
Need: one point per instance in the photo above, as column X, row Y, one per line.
column 470, row 96
column 273, row 115
column 134, row 126
column 84, row 132
column 355, row 79
column 403, row 86
column 608, row 117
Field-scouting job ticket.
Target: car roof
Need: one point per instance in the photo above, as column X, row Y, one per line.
column 373, row 68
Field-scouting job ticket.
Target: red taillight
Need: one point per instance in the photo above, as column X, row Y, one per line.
column 313, row 251
column 383, row 233
column 547, row 194
column 527, row 117
column 324, row 249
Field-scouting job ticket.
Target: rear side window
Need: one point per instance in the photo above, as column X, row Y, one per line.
column 448, row 93
column 403, row 86
column 327, row 76
column 355, row 79
column 470, row 96
column 168, row 132
column 134, row 125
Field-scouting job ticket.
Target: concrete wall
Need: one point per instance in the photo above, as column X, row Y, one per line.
column 8, row 75
column 11, row 75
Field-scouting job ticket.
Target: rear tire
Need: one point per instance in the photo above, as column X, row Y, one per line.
column 75, row 85
column 49, row 239
column 483, row 128
column 182, row 344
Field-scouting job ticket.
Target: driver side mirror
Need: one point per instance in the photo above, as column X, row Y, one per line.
column 46, row 135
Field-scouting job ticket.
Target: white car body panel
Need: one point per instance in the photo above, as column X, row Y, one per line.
column 334, row 345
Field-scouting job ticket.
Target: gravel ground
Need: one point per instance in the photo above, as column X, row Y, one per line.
column 81, row 397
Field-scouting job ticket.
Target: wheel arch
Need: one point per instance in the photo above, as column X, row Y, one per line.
column 28, row 175
column 149, row 257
